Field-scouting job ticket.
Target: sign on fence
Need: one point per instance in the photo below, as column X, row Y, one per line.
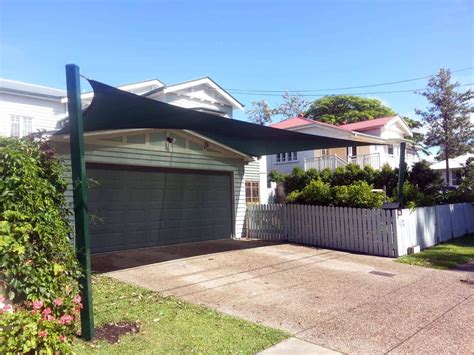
column 368, row 231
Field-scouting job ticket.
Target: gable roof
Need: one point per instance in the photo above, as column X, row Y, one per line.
column 195, row 82
column 368, row 124
column 293, row 122
column 458, row 162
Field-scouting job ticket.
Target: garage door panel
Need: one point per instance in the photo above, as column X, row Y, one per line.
column 141, row 208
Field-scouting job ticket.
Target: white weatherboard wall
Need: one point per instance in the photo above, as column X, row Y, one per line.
column 44, row 113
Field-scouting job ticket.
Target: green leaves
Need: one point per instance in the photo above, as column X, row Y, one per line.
column 37, row 258
column 343, row 109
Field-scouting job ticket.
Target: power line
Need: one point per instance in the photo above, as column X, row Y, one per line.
column 353, row 94
column 241, row 91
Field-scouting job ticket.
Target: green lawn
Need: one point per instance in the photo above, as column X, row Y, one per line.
column 445, row 255
column 170, row 326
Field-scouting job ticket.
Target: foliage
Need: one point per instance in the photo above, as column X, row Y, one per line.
column 467, row 176
column 386, row 178
column 445, row 255
column 37, row 260
column 317, row 193
column 297, row 180
column 448, row 117
column 422, row 187
column 359, row 194
column 293, row 105
column 424, row 178
column 260, row 113
column 276, row 176
column 169, row 325
column 343, row 109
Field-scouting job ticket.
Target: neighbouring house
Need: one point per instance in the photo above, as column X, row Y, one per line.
column 386, row 133
column 27, row 108
column 455, row 168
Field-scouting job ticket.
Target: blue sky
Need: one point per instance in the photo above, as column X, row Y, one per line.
column 270, row 45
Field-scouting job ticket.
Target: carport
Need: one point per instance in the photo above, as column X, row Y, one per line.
column 151, row 189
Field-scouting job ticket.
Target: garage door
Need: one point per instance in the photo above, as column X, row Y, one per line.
column 136, row 209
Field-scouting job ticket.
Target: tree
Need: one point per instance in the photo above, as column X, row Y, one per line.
column 260, row 113
column 293, row 105
column 418, row 138
column 343, row 109
column 447, row 117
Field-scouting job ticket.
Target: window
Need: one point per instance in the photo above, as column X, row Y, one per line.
column 390, row 149
column 21, row 126
column 455, row 178
column 286, row 157
column 324, row 152
column 252, row 192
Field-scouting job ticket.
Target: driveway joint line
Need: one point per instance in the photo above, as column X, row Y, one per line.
column 429, row 324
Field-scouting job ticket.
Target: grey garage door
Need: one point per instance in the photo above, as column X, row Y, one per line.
column 135, row 209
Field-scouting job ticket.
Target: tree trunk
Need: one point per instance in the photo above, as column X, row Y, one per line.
column 447, row 165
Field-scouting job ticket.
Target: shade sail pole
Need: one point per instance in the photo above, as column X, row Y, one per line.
column 79, row 181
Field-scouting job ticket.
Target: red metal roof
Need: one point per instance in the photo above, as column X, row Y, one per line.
column 367, row 125
column 292, row 122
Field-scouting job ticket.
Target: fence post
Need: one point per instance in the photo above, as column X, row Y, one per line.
column 285, row 222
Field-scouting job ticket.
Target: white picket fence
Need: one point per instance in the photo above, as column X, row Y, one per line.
column 368, row 231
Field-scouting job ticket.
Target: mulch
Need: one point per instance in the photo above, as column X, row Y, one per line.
column 111, row 332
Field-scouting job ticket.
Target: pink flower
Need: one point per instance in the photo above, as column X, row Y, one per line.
column 46, row 311
column 8, row 308
column 48, row 317
column 2, row 299
column 66, row 319
column 42, row 333
column 62, row 338
column 77, row 299
column 58, row 302
column 37, row 304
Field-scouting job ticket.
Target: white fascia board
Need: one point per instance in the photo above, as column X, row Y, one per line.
column 343, row 134
column 402, row 123
column 207, row 81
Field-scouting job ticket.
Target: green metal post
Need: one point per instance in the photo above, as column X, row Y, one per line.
column 80, row 197
column 401, row 172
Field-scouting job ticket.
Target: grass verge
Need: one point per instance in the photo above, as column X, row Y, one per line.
column 445, row 255
column 168, row 325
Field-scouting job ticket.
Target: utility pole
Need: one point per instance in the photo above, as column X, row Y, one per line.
column 401, row 172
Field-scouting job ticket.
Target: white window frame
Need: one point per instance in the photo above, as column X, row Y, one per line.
column 287, row 157
column 24, row 126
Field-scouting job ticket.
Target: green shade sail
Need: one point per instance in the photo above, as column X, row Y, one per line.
column 112, row 109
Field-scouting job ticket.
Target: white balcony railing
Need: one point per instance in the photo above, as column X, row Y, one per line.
column 324, row 162
column 366, row 159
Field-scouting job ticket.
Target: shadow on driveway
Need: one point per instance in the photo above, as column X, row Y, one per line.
column 125, row 259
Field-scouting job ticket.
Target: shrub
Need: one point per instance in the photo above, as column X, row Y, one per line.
column 359, row 194
column 387, row 178
column 294, row 197
column 326, row 175
column 276, row 176
column 37, row 260
column 317, row 192
column 295, row 181
column 424, row 178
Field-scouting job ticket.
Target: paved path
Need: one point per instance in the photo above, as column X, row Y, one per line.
column 340, row 301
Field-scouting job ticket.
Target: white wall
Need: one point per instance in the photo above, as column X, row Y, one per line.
column 45, row 113
column 287, row 167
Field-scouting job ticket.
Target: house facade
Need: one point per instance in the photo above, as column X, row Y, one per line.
column 153, row 186
column 456, row 165
column 386, row 133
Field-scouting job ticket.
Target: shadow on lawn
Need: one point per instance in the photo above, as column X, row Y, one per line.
column 119, row 260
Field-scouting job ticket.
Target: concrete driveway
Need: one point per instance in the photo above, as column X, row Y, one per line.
column 341, row 301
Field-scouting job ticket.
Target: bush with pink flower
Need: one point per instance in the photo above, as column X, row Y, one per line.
column 39, row 270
